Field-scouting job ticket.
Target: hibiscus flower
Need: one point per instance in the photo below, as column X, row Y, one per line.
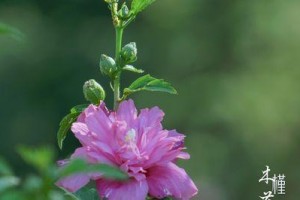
column 138, row 145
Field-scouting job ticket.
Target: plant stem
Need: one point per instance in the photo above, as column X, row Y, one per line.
column 116, row 80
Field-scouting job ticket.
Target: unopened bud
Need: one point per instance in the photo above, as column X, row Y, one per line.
column 109, row 1
column 93, row 91
column 124, row 12
column 129, row 52
column 107, row 65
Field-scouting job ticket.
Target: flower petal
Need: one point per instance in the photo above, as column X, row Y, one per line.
column 164, row 147
column 127, row 112
column 131, row 189
column 170, row 180
column 99, row 151
column 99, row 124
column 151, row 118
column 74, row 182
column 82, row 133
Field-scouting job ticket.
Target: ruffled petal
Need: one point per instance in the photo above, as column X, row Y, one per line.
column 100, row 125
column 81, row 153
column 170, row 180
column 150, row 118
column 74, row 182
column 127, row 112
column 82, row 133
column 131, row 189
column 164, row 147
column 99, row 151
column 184, row 155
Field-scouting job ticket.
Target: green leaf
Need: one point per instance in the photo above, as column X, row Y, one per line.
column 132, row 69
column 41, row 157
column 80, row 166
column 149, row 83
column 74, row 166
column 57, row 195
column 33, row 183
column 13, row 194
column 79, row 108
column 139, row 5
column 7, row 182
column 87, row 194
column 66, row 123
column 64, row 127
column 11, row 31
column 4, row 168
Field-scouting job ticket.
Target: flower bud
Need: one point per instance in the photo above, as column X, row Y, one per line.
column 93, row 91
column 109, row 1
column 107, row 65
column 129, row 52
column 124, row 12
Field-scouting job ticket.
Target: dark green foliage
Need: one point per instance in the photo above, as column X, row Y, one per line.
column 11, row 31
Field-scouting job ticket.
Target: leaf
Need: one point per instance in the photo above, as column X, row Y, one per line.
column 41, row 157
column 64, row 127
column 87, row 194
column 4, row 167
column 149, row 83
column 33, row 183
column 139, row 5
column 13, row 194
column 11, row 31
column 73, row 166
column 84, row 193
column 133, row 69
column 79, row 108
column 66, row 123
column 8, row 182
column 108, row 171
column 57, row 195
column 80, row 166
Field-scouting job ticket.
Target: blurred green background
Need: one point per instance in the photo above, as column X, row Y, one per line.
column 235, row 65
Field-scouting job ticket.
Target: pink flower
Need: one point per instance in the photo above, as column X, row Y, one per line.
column 138, row 145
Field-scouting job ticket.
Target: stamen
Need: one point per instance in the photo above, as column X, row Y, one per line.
column 130, row 135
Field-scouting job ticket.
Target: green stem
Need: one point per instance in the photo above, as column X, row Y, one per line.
column 116, row 80
column 119, row 36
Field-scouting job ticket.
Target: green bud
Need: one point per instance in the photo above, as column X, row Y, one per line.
column 111, row 1
column 107, row 65
column 93, row 91
column 124, row 12
column 129, row 52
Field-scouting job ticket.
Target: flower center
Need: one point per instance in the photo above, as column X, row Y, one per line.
column 130, row 136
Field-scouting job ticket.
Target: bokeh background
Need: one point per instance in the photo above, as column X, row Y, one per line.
column 234, row 63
